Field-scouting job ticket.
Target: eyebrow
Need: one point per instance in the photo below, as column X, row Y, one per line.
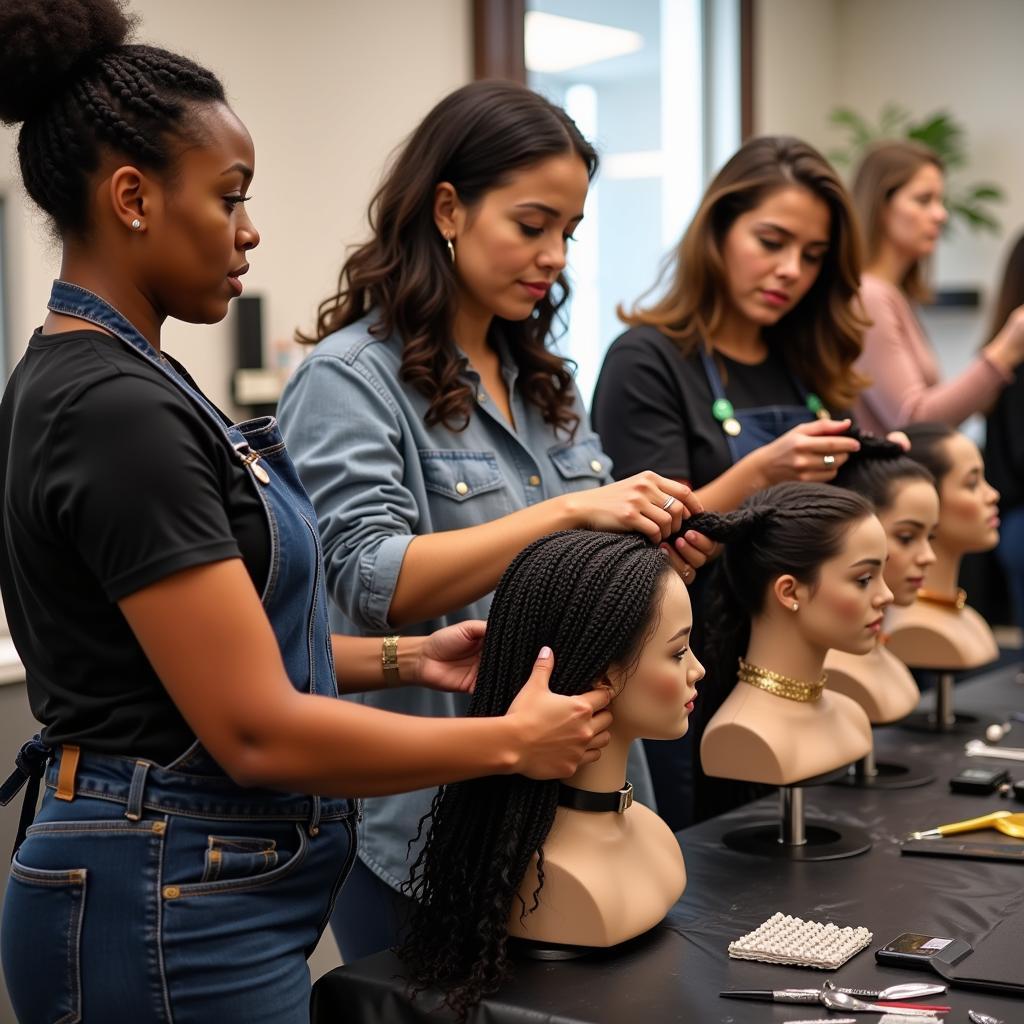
column 789, row 234
column 682, row 632
column 246, row 170
column 867, row 561
column 544, row 208
column 909, row 522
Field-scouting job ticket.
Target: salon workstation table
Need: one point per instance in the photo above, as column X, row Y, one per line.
column 675, row 972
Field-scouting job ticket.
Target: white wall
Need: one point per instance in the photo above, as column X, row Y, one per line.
column 327, row 88
column 926, row 55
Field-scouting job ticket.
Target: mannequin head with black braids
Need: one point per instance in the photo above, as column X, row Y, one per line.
column 902, row 491
column 615, row 615
column 134, row 155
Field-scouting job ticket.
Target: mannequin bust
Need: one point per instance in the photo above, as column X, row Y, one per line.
column 586, row 899
column 906, row 502
column 939, row 630
column 808, row 580
column 571, row 863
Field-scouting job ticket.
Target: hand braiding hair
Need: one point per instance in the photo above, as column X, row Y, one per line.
column 80, row 92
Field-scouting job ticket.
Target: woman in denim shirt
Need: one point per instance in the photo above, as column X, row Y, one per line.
column 436, row 434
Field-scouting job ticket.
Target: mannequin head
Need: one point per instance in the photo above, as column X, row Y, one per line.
column 968, row 504
column 615, row 615
column 906, row 502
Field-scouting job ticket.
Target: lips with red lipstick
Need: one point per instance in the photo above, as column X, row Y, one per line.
column 536, row 289
column 234, row 275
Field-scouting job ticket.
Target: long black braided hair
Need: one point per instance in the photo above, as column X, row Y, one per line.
column 590, row 597
column 79, row 89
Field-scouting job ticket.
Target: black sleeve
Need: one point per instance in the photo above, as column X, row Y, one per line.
column 133, row 483
column 638, row 412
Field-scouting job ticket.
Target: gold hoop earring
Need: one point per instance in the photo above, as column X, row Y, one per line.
column 451, row 247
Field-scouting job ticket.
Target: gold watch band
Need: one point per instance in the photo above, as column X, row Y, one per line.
column 389, row 661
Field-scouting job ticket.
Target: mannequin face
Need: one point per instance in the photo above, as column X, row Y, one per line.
column 655, row 694
column 909, row 523
column 969, row 511
column 511, row 245
column 774, row 253
column 915, row 214
column 843, row 610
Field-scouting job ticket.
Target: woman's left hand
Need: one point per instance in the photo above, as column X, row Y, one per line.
column 450, row 657
column 692, row 551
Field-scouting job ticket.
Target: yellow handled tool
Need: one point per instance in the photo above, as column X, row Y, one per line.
column 1006, row 822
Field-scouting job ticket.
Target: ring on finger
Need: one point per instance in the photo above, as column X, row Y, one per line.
column 829, row 460
column 668, row 503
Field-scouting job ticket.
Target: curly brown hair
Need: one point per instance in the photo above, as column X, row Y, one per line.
column 475, row 139
column 821, row 337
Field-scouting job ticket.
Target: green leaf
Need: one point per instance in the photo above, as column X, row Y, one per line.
column 989, row 193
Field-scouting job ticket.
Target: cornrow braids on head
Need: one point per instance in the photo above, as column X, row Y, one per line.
column 591, row 597
column 80, row 90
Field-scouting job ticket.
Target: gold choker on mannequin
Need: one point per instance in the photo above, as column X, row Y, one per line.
column 956, row 602
column 780, row 685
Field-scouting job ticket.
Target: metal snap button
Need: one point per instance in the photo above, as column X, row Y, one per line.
column 171, row 892
column 481, row 397
column 595, row 466
column 462, row 487
column 535, row 480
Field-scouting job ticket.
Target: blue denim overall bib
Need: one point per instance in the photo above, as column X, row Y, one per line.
column 169, row 893
column 759, row 426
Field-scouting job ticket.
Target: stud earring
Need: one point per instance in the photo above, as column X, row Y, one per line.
column 796, row 606
column 136, row 224
column 451, row 247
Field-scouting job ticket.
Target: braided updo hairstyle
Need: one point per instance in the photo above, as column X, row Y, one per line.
column 877, row 468
column 590, row 597
column 68, row 75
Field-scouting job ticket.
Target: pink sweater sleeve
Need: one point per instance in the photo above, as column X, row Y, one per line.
column 899, row 362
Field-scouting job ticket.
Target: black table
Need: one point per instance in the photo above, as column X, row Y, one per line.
column 674, row 972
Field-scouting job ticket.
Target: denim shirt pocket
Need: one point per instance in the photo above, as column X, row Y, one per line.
column 470, row 484
column 581, row 464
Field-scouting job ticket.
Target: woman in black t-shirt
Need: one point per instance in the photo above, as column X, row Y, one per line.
column 726, row 381
column 162, row 576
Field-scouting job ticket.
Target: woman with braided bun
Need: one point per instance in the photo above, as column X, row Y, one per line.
column 162, row 576
column 434, row 428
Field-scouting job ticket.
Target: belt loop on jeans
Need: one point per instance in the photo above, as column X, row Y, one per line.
column 313, row 828
column 69, row 755
column 133, row 812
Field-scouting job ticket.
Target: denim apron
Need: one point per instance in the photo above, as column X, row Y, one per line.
column 759, row 426
column 144, row 892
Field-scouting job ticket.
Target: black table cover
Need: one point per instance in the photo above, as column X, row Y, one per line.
column 675, row 972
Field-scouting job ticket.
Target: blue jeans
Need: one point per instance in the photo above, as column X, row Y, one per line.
column 159, row 896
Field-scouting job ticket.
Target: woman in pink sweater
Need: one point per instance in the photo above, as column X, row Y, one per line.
column 898, row 192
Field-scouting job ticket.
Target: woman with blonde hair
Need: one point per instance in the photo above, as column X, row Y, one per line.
column 898, row 193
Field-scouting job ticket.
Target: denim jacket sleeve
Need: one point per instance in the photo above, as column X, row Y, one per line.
column 367, row 516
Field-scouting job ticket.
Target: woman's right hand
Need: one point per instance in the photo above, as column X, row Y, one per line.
column 636, row 504
column 1006, row 349
column 556, row 733
column 811, row 451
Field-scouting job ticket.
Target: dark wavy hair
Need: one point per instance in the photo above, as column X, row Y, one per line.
column 821, row 337
column 67, row 73
column 788, row 528
column 475, row 139
column 877, row 468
